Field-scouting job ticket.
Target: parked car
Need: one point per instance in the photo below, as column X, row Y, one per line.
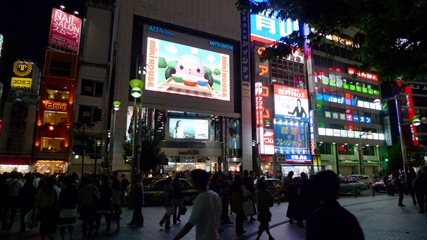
column 277, row 189
column 153, row 194
column 350, row 185
column 382, row 186
column 363, row 178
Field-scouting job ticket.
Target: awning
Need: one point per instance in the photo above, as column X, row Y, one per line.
column 15, row 159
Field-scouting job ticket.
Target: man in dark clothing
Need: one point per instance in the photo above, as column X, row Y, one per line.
column 331, row 221
column 123, row 186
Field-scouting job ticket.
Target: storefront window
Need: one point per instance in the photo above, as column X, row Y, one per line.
column 57, row 95
column 54, row 117
column 52, row 144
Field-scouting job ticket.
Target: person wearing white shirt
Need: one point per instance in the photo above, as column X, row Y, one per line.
column 206, row 212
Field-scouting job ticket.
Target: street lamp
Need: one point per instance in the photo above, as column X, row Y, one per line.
column 137, row 85
column 399, row 125
column 116, row 107
column 97, row 145
column 360, row 149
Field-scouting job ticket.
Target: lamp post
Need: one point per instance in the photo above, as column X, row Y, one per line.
column 97, row 145
column 360, row 149
column 116, row 107
column 399, row 126
column 137, row 85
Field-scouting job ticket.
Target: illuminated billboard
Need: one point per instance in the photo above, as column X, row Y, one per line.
column 22, row 75
column 180, row 69
column 186, row 69
column 290, row 103
column 186, row 128
column 65, row 30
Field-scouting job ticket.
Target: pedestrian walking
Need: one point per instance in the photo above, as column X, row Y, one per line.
column 67, row 204
column 248, row 182
column 115, row 199
column 11, row 200
column 292, row 211
column 264, row 200
column 167, row 203
column 206, row 212
column 46, row 207
column 400, row 188
column 124, row 183
column 27, row 198
column 237, row 198
column 420, row 188
column 177, row 199
column 104, row 205
column 331, row 221
column 88, row 198
column 137, row 199
column 409, row 189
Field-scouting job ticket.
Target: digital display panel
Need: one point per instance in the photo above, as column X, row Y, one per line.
column 186, row 70
column 189, row 129
column 290, row 102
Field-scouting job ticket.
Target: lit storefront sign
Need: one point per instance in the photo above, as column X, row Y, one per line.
column 370, row 76
column 22, row 75
column 266, row 29
column 411, row 114
column 65, row 30
column 55, row 106
column 294, row 158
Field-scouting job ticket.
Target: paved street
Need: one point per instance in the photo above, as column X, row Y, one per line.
column 379, row 216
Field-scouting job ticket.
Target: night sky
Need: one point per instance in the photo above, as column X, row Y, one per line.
column 24, row 25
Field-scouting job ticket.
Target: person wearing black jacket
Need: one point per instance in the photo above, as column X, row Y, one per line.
column 177, row 198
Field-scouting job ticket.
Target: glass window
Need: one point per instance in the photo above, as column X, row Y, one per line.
column 90, row 114
column 325, row 148
column 60, row 68
column 54, row 117
column 49, row 144
column 57, row 95
column 92, row 88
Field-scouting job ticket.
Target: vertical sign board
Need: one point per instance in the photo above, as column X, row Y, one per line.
column 65, row 30
column 246, row 87
column 1, row 43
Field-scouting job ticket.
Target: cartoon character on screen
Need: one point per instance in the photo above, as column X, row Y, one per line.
column 298, row 110
column 190, row 65
column 178, row 131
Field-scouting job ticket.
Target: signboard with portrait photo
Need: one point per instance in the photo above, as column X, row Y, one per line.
column 189, row 129
column 290, row 103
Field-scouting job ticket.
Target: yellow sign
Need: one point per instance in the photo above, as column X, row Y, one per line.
column 19, row 82
column 22, row 69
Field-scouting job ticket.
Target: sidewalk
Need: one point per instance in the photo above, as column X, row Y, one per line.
column 379, row 216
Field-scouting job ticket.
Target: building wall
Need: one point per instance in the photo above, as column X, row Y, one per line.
column 219, row 18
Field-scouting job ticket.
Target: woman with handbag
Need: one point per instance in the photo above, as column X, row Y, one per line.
column 264, row 200
column 238, row 198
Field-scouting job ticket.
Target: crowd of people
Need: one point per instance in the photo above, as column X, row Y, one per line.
column 60, row 201
column 57, row 201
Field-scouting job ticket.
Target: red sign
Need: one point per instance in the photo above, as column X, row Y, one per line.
column 65, row 30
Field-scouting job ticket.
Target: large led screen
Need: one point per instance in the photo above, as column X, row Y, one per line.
column 180, row 69
column 290, row 103
column 186, row 69
column 188, row 129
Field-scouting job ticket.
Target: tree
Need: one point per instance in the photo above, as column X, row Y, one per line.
column 388, row 35
column 151, row 155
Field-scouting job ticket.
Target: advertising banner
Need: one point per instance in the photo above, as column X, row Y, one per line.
column 290, row 103
column 65, row 30
column 185, row 70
